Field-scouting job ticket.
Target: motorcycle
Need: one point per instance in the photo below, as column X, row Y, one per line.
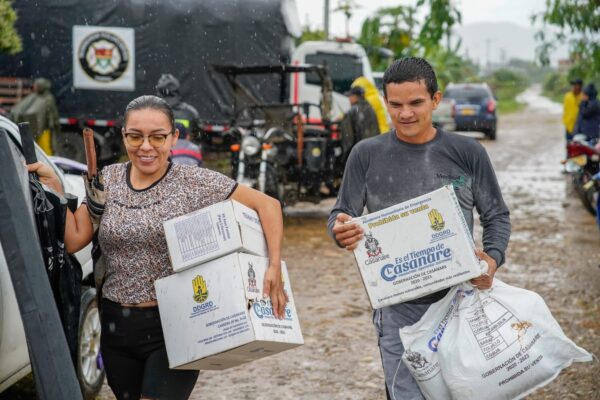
column 277, row 148
column 583, row 163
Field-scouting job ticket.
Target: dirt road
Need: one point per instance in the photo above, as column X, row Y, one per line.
column 554, row 250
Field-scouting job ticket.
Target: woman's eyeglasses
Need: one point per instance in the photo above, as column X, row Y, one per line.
column 137, row 139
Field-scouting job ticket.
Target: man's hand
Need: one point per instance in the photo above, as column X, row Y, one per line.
column 273, row 287
column 485, row 281
column 47, row 176
column 348, row 235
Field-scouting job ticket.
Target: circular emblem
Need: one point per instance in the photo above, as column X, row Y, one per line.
column 316, row 152
column 103, row 56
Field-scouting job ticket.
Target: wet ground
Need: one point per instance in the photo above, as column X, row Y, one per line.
column 554, row 250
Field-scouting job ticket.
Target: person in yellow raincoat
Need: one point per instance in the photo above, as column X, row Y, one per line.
column 374, row 98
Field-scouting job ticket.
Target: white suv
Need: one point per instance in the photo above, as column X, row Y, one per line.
column 14, row 357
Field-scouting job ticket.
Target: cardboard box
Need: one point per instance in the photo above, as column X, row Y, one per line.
column 213, row 315
column 415, row 248
column 212, row 232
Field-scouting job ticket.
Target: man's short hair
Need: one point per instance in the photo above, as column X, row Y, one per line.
column 410, row 69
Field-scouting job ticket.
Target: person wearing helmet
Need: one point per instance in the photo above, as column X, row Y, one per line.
column 186, row 114
column 184, row 151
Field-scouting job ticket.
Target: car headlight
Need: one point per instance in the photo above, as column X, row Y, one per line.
column 250, row 145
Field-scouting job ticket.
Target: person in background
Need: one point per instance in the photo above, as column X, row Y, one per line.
column 588, row 118
column 360, row 122
column 138, row 196
column 168, row 87
column 571, row 107
column 373, row 96
column 185, row 152
column 39, row 109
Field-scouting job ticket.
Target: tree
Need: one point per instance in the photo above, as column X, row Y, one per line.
column 392, row 28
column 10, row 42
column 397, row 29
column 581, row 20
column 309, row 34
column 438, row 24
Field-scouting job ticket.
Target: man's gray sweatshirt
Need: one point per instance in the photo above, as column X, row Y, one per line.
column 383, row 171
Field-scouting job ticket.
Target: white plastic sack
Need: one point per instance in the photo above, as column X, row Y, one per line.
column 501, row 343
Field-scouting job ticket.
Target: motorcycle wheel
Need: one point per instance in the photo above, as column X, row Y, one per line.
column 588, row 197
column 274, row 187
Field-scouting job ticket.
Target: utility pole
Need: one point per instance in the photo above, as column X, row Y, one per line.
column 326, row 20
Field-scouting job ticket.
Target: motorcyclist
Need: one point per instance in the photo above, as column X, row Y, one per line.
column 168, row 88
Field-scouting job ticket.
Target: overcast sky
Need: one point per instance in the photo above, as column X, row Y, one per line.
column 485, row 43
column 516, row 11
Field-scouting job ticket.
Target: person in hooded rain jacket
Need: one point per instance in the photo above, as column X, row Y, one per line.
column 588, row 119
column 374, row 98
column 39, row 109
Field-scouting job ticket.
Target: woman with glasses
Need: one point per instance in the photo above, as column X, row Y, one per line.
column 139, row 195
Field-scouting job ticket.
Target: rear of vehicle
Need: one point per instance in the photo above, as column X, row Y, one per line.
column 443, row 115
column 475, row 108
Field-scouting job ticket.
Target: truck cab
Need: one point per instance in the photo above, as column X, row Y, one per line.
column 345, row 62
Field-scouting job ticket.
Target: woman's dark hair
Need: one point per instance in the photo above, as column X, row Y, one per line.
column 410, row 69
column 150, row 102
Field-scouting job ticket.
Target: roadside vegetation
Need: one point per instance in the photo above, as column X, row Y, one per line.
column 507, row 84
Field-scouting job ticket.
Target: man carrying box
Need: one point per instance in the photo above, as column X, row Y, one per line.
column 415, row 158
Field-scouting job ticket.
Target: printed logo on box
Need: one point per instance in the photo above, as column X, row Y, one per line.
column 374, row 251
column 264, row 309
column 436, row 219
column 252, row 279
column 200, row 296
column 431, row 258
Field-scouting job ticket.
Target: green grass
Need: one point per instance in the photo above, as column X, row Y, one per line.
column 507, row 99
column 555, row 97
column 509, row 106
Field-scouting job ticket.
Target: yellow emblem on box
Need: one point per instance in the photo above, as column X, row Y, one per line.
column 200, row 289
column 436, row 219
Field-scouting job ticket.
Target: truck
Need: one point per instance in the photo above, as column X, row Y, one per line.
column 345, row 61
column 101, row 54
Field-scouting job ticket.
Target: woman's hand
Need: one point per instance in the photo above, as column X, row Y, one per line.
column 273, row 287
column 47, row 176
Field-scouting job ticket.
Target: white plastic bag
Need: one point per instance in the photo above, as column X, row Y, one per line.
column 501, row 343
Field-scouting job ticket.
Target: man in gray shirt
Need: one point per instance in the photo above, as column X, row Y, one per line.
column 413, row 159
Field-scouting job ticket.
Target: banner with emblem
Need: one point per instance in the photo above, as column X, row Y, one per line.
column 103, row 58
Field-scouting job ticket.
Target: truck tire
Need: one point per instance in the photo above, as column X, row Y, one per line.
column 70, row 145
column 90, row 369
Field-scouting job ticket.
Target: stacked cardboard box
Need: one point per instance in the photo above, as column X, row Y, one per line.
column 212, row 310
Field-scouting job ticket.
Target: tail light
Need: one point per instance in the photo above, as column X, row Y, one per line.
column 453, row 112
column 491, row 105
